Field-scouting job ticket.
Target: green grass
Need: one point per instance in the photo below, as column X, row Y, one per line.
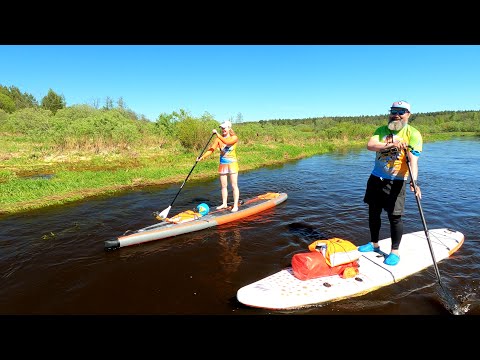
column 77, row 176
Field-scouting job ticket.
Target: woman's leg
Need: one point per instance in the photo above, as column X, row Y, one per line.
column 236, row 191
column 223, row 183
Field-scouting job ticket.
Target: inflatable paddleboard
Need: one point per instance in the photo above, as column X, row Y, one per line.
column 167, row 229
column 283, row 290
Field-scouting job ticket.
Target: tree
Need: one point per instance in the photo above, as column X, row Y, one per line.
column 108, row 103
column 96, row 103
column 22, row 101
column 239, row 118
column 53, row 101
column 121, row 103
column 6, row 103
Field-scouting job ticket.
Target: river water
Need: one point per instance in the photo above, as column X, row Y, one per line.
column 52, row 261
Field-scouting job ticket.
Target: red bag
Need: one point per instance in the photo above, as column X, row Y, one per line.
column 312, row 265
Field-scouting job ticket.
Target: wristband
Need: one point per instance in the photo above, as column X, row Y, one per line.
column 414, row 181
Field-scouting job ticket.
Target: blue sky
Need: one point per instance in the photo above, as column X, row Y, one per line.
column 261, row 82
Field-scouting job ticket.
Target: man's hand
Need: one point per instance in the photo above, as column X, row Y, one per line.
column 400, row 145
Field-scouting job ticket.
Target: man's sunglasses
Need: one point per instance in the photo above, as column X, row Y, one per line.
column 399, row 112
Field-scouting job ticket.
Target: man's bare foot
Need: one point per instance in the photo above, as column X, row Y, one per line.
column 234, row 209
column 223, row 206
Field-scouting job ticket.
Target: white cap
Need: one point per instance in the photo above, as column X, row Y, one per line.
column 401, row 104
column 226, row 124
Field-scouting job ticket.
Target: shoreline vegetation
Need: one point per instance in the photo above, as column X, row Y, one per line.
column 55, row 157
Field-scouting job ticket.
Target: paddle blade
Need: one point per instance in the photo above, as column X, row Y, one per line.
column 451, row 303
column 163, row 215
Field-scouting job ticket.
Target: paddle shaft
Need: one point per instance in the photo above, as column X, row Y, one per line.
column 184, row 181
column 437, row 272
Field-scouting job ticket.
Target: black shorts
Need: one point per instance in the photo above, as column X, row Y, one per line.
column 388, row 194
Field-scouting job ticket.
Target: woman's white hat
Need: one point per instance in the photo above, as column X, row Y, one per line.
column 226, row 124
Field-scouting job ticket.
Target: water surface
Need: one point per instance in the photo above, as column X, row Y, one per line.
column 52, row 261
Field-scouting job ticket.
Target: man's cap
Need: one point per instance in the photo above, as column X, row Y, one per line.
column 226, row 124
column 401, row 104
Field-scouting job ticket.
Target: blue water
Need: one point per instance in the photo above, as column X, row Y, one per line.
column 53, row 262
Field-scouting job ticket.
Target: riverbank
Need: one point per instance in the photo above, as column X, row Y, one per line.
column 31, row 183
column 57, row 180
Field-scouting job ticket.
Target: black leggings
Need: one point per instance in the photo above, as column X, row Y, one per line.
column 375, row 221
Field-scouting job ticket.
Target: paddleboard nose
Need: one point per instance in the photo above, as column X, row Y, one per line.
column 111, row 244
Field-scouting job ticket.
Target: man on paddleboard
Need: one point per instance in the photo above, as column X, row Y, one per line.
column 226, row 143
column 386, row 186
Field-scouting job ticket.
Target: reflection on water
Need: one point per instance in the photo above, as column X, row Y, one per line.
column 229, row 258
column 52, row 261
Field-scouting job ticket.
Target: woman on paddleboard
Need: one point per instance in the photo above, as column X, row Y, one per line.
column 227, row 144
column 386, row 186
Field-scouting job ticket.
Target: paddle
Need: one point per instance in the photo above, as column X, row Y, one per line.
column 163, row 215
column 451, row 302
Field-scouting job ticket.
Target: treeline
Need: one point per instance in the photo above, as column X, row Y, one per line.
column 12, row 99
column 86, row 128
column 430, row 118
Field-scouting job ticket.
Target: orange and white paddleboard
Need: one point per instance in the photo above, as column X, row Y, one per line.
column 167, row 229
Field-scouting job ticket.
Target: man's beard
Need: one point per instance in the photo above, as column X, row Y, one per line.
column 396, row 125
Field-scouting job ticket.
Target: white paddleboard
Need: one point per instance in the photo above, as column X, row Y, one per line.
column 283, row 290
